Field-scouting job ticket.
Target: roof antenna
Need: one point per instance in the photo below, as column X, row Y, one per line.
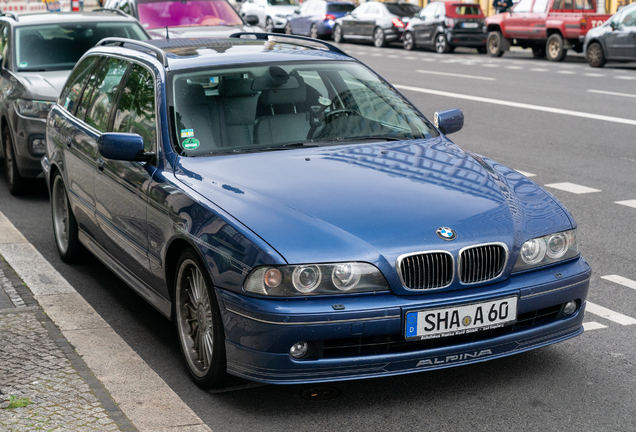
column 167, row 34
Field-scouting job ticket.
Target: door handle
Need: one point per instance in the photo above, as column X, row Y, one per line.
column 100, row 164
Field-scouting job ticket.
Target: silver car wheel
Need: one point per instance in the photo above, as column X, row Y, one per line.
column 61, row 225
column 194, row 318
column 378, row 37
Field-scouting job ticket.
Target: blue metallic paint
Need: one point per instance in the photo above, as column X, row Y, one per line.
column 120, row 146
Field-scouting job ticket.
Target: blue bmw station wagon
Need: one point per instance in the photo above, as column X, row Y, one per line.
column 297, row 218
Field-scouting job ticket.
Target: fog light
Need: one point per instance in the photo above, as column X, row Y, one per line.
column 569, row 307
column 37, row 145
column 299, row 349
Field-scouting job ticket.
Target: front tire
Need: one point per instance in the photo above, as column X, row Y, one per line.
column 409, row 41
column 17, row 183
column 595, row 55
column 555, row 48
column 441, row 44
column 64, row 223
column 495, row 44
column 378, row 37
column 337, row 34
column 198, row 321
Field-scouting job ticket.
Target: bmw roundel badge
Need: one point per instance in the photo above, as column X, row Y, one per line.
column 446, row 233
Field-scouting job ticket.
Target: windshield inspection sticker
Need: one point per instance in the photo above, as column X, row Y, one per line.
column 191, row 143
column 187, row 133
column 23, row 64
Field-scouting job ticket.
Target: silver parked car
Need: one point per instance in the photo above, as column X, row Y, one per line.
column 615, row 40
column 272, row 14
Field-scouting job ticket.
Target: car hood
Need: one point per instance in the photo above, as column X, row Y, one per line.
column 44, row 85
column 202, row 31
column 373, row 202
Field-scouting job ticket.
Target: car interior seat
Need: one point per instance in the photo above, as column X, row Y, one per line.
column 194, row 112
column 237, row 110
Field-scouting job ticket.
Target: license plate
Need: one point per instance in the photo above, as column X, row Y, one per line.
column 470, row 25
column 458, row 320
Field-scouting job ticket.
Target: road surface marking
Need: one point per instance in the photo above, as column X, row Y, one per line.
column 539, row 70
column 527, row 174
column 573, row 188
column 609, row 314
column 613, row 93
column 628, row 203
column 513, row 67
column 456, row 75
column 620, row 280
column 591, row 74
column 623, row 77
column 567, row 72
column 592, row 325
column 428, row 59
column 409, row 58
column 519, row 105
column 490, row 65
column 376, row 54
column 142, row 395
column 393, row 56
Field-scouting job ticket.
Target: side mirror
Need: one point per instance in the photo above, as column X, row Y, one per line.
column 613, row 25
column 251, row 20
column 123, row 147
column 449, row 121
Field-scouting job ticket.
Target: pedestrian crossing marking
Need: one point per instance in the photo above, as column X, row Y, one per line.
column 593, row 325
column 609, row 314
column 572, row 188
column 527, row 174
column 620, row 280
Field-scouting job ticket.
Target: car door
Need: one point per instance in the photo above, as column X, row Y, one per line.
column 621, row 41
column 121, row 187
column 371, row 20
column 417, row 25
column 536, row 19
column 352, row 24
column 517, row 24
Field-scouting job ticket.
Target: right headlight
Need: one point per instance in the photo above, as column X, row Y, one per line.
column 547, row 250
column 315, row 279
column 33, row 108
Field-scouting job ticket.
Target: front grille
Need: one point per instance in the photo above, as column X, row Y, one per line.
column 482, row 263
column 426, row 270
column 387, row 344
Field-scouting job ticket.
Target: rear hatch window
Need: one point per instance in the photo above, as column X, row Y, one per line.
column 464, row 11
column 402, row 9
column 340, row 8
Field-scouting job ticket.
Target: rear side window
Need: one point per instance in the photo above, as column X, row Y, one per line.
column 136, row 110
column 540, row 6
column 342, row 7
column 75, row 82
column 100, row 93
column 402, row 9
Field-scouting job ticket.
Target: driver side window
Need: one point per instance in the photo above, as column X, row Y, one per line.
column 523, row 6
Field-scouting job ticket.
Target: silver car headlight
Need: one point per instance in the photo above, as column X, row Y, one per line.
column 32, row 108
column 547, row 250
column 315, row 279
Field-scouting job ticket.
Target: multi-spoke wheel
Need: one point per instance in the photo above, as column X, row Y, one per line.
column 595, row 55
column 378, row 37
column 337, row 34
column 15, row 180
column 198, row 322
column 64, row 224
column 269, row 25
column 555, row 48
column 441, row 44
column 495, row 44
column 313, row 32
column 409, row 41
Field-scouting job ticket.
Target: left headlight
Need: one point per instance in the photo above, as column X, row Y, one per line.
column 547, row 250
column 315, row 279
column 33, row 108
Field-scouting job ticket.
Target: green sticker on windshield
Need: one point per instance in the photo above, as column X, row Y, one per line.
column 23, row 64
column 191, row 143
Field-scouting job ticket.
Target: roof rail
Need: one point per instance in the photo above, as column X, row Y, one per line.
column 117, row 11
column 10, row 15
column 161, row 55
column 274, row 36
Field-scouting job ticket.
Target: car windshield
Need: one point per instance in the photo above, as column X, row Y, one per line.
column 191, row 13
column 60, row 46
column 282, row 2
column 402, row 9
column 276, row 107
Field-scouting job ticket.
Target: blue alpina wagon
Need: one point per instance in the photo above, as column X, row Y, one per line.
column 299, row 219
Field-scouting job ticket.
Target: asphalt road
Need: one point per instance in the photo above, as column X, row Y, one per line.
column 538, row 117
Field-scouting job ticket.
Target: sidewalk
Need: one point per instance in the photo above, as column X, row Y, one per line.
column 38, row 366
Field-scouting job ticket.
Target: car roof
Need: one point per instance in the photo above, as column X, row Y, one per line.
column 185, row 53
column 66, row 17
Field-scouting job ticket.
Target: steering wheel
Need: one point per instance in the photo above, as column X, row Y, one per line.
column 344, row 112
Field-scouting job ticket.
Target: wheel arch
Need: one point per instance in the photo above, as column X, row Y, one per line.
column 493, row 27
column 174, row 250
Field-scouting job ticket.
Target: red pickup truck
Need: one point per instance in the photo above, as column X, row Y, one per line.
column 549, row 27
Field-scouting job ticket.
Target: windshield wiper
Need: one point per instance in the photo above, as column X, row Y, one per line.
column 372, row 137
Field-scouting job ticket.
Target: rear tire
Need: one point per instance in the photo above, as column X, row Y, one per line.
column 409, row 41
column 495, row 44
column 441, row 44
column 64, row 223
column 337, row 34
column 17, row 183
column 595, row 55
column 555, row 48
column 198, row 321
column 378, row 37
column 538, row 52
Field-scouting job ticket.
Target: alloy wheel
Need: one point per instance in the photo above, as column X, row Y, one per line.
column 61, row 219
column 409, row 43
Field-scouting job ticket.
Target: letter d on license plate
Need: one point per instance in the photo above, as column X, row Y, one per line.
column 458, row 320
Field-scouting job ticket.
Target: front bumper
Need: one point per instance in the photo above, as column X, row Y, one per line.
column 26, row 130
column 366, row 338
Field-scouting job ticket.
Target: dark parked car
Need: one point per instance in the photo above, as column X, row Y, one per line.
column 613, row 41
column 298, row 218
column 444, row 26
column 37, row 53
column 380, row 23
column 186, row 18
column 316, row 18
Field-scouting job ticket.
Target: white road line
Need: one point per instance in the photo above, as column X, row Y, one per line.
column 428, row 59
column 539, row 70
column 609, row 314
column 593, row 325
column 520, row 105
column 410, row 58
column 490, row 65
column 573, row 188
column 527, row 174
column 613, row 93
column 456, row 75
column 393, row 56
column 376, row 54
column 591, row 74
column 620, row 280
column 513, row 67
column 623, row 77
column 567, row 72
column 628, row 203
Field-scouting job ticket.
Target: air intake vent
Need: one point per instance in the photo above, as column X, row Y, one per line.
column 426, row 270
column 482, row 263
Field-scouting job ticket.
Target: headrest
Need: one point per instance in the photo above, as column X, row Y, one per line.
column 236, row 87
column 296, row 94
column 189, row 94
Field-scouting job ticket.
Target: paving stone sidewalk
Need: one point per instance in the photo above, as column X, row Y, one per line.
column 39, row 369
